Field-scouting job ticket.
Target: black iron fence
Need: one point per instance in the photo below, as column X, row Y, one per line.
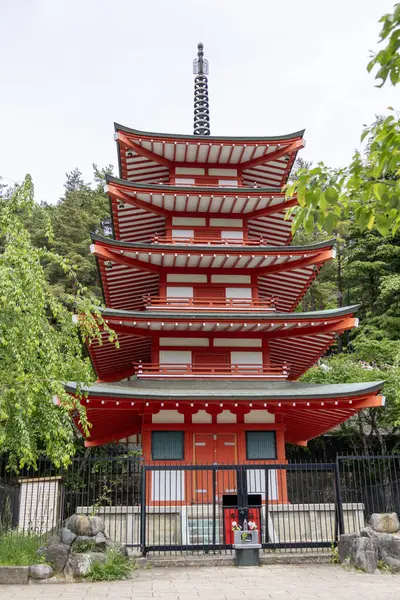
column 39, row 501
column 184, row 508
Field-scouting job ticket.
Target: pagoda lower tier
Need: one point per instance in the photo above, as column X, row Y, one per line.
column 292, row 412
column 219, row 342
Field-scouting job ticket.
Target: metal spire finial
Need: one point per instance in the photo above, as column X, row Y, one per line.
column 201, row 107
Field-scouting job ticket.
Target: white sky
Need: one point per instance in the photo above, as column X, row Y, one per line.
column 70, row 68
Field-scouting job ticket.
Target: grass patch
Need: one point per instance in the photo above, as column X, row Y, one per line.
column 334, row 559
column 115, row 567
column 19, row 550
column 85, row 546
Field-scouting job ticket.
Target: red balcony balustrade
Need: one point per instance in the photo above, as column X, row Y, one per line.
column 189, row 371
column 264, row 304
column 207, row 241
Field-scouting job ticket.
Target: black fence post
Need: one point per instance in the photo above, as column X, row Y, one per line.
column 243, row 503
column 143, row 512
column 266, row 525
column 214, row 509
column 339, row 506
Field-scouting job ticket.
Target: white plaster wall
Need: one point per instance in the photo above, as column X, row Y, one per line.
column 184, row 181
column 238, row 292
column 259, row 416
column 168, row 486
column 226, row 417
column 226, row 172
column 230, row 279
column 188, row 221
column 246, row 358
column 186, row 233
column 201, row 342
column 238, row 342
column 201, row 417
column 232, row 235
column 179, row 291
column 187, row 278
column 175, row 357
column 168, row 416
column 256, row 480
column 189, row 171
column 215, row 222
column 39, row 505
column 228, row 182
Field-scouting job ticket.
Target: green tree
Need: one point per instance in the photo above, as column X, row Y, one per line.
column 40, row 345
column 368, row 190
column 82, row 209
column 373, row 429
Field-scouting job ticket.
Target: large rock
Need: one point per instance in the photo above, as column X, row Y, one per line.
column 389, row 550
column 84, row 525
column 347, row 545
column 368, row 532
column 67, row 537
column 78, row 565
column 54, row 540
column 57, row 556
column 40, row 571
column 117, row 547
column 366, row 554
column 101, row 541
column 385, row 522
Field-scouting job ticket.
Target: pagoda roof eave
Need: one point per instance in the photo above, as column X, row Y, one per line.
column 209, row 247
column 204, row 314
column 179, row 389
column 198, row 189
column 207, row 138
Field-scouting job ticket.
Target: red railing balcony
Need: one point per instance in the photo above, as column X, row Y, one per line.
column 232, row 371
column 207, row 241
column 264, row 304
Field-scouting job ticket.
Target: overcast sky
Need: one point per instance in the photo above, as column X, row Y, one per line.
column 70, row 68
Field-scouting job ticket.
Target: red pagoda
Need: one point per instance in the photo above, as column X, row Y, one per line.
column 201, row 284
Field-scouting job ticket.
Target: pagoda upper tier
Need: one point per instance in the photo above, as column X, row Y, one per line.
column 158, row 157
column 140, row 212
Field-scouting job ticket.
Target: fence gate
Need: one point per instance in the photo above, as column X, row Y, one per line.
column 197, row 507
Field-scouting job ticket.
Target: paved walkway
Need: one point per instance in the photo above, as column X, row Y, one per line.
column 289, row 582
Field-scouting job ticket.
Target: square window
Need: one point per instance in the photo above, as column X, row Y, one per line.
column 260, row 445
column 167, row 445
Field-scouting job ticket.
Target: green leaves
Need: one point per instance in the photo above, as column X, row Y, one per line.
column 40, row 345
column 387, row 60
column 366, row 192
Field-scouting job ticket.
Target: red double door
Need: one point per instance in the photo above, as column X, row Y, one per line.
column 214, row 449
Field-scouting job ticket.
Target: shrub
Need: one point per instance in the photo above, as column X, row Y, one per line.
column 18, row 549
column 115, row 567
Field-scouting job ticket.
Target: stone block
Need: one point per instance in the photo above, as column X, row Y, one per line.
column 14, row 575
column 346, row 546
column 57, row 556
column 67, row 536
column 85, row 525
column 385, row 522
column 101, row 541
column 40, row 571
column 366, row 554
column 117, row 547
column 78, row 565
column 54, row 540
